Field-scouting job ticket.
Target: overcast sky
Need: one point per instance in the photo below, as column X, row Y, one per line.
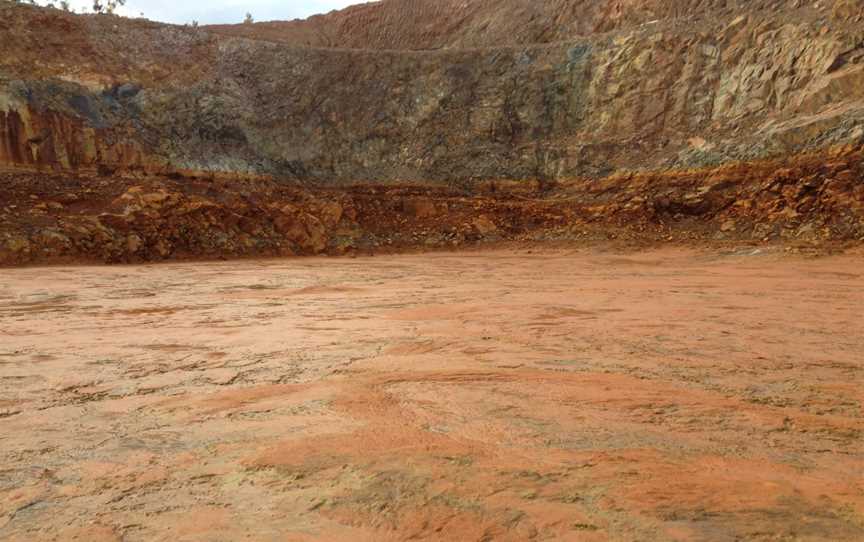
column 222, row 11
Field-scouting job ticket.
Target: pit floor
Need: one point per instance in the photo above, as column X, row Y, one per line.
column 550, row 394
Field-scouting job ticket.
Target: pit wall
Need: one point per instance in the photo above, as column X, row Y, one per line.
column 812, row 200
column 132, row 94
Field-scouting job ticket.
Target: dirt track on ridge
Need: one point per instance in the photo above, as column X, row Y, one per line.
column 500, row 395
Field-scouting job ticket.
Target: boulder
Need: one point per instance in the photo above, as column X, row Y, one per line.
column 484, row 226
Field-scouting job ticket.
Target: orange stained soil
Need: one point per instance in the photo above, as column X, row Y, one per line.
column 499, row 395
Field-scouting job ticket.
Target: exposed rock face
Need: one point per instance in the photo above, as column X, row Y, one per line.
column 460, row 24
column 132, row 140
column 55, row 218
column 703, row 83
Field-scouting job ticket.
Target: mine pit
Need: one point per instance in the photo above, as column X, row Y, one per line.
column 446, row 270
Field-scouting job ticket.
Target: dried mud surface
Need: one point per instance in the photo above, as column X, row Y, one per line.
column 496, row 395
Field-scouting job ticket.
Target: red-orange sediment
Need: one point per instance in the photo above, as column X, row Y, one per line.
column 563, row 394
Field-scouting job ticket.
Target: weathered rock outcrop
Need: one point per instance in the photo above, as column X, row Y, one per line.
column 127, row 140
column 704, row 84
column 57, row 217
column 460, row 24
